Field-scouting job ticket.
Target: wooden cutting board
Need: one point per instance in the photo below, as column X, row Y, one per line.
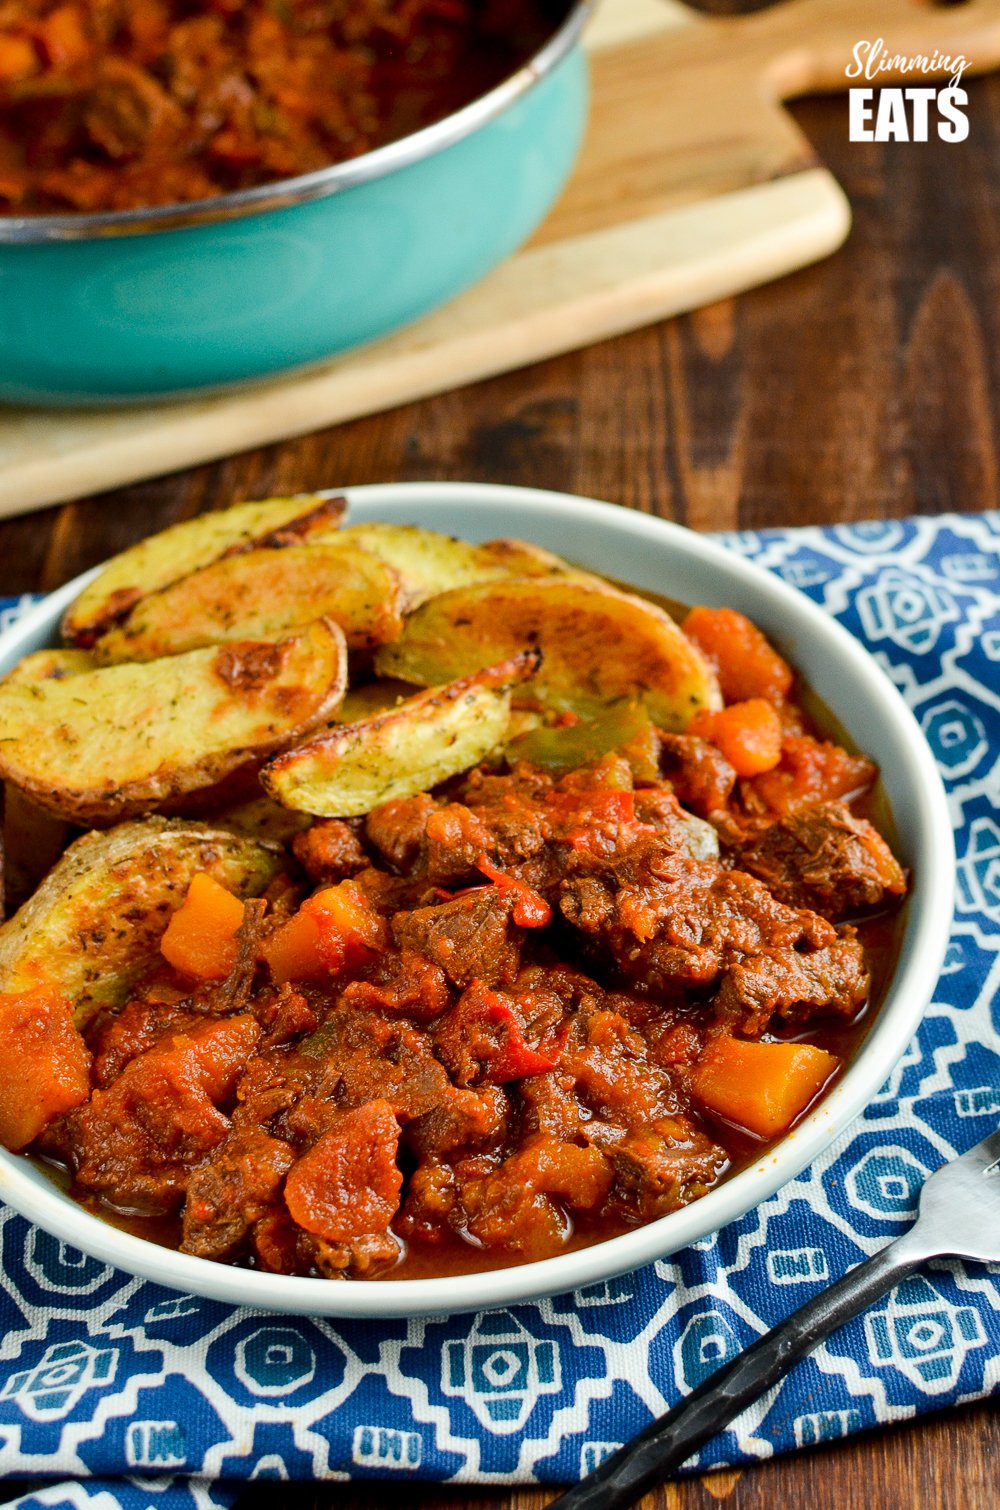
column 693, row 185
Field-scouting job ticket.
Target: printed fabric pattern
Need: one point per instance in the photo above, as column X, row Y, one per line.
column 123, row 1394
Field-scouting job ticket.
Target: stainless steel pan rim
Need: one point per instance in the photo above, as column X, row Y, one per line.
column 286, row 192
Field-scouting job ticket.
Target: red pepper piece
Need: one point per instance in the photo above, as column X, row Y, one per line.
column 482, row 1038
column 530, row 909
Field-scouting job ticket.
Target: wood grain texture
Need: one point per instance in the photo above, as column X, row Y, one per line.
column 865, row 386
column 693, row 184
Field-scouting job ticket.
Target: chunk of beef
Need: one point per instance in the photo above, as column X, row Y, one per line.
column 549, row 1104
column 825, row 858
column 274, row 1082
column 384, row 893
column 430, row 1210
column 361, row 1257
column 671, row 923
column 357, row 1057
column 138, row 1141
column 524, row 788
column 661, row 1167
column 786, row 983
column 483, row 1038
column 698, row 772
column 329, row 850
column 281, row 1247
column 470, row 936
column 397, row 829
column 614, row 1077
column 526, row 825
column 408, row 983
column 234, row 992
column 657, row 809
column 456, row 838
column 128, row 111
column 465, row 1118
column 239, row 1184
column 142, row 1023
column 519, row 1205
column 284, row 1014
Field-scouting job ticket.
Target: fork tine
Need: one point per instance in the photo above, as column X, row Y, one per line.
column 985, row 1153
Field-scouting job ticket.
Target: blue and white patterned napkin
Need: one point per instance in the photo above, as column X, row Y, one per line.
column 155, row 1398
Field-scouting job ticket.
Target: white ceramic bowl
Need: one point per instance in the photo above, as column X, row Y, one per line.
column 667, row 559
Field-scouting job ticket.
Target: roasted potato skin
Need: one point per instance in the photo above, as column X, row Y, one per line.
column 598, row 645
column 409, row 748
column 94, row 924
column 113, row 743
column 368, row 698
column 320, row 521
column 45, row 665
column 183, row 548
column 259, row 593
column 262, row 819
column 429, row 563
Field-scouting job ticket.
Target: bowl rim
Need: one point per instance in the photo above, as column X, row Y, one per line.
column 302, row 188
column 929, row 915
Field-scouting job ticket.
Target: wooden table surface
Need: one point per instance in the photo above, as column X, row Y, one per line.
column 866, row 386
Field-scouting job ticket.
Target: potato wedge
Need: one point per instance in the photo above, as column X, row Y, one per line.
column 173, row 553
column 261, row 818
column 45, row 665
column 363, row 702
column 520, row 558
column 108, row 744
column 94, row 924
column 598, row 645
column 410, row 748
column 429, row 563
column 261, row 593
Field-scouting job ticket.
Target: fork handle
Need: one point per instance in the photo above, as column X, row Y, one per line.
column 670, row 1440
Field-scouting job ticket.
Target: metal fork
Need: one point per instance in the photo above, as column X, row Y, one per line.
column 959, row 1217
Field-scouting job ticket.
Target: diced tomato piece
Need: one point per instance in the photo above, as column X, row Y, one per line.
column 48, row 1065
column 745, row 663
column 348, row 1184
column 811, row 771
column 762, row 1087
column 200, row 940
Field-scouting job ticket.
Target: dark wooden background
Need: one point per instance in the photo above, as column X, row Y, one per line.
column 866, row 386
